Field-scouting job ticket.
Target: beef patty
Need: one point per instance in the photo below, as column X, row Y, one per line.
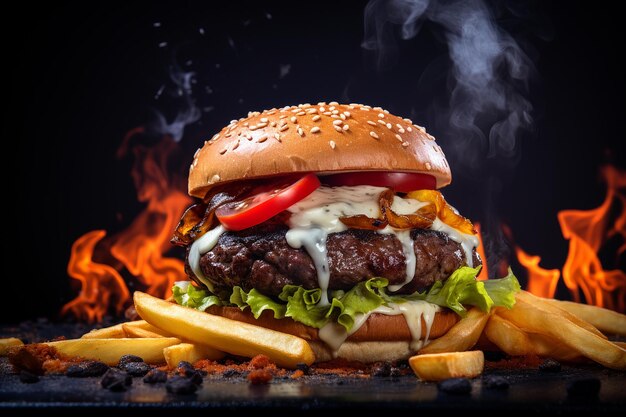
column 262, row 259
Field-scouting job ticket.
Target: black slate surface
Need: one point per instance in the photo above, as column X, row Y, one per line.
column 530, row 390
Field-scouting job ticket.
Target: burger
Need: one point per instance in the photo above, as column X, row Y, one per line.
column 325, row 221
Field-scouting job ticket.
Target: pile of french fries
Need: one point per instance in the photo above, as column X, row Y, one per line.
column 561, row 330
column 170, row 333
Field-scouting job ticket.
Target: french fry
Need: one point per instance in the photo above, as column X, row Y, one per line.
column 439, row 366
column 462, row 336
column 508, row 337
column 135, row 332
column 545, row 319
column 546, row 346
column 110, row 351
column 189, row 352
column 223, row 334
column 607, row 321
column 547, row 306
column 6, row 344
column 113, row 332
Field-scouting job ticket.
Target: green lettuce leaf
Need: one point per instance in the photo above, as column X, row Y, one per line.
column 460, row 290
column 189, row 295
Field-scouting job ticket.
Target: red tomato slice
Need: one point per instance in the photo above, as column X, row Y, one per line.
column 399, row 181
column 262, row 206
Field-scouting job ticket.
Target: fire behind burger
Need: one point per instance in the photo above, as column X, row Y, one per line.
column 324, row 221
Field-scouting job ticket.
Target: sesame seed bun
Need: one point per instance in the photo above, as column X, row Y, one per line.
column 322, row 138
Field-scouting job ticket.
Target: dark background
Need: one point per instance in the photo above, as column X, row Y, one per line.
column 83, row 75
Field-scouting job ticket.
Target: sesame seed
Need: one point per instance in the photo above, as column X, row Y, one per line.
column 249, row 137
column 400, row 129
column 301, row 113
column 316, row 117
column 273, row 124
column 271, row 111
column 300, row 131
column 343, row 116
column 262, row 139
column 405, row 144
column 334, row 116
column 261, row 124
column 315, row 129
column 246, row 124
column 253, row 127
column 429, row 166
column 347, row 113
column 277, row 136
column 399, row 137
column 321, row 103
column 295, row 110
column 284, row 116
column 382, row 122
column 374, row 135
column 215, row 178
column 365, row 109
column 338, row 128
column 381, row 115
column 346, row 127
column 264, row 120
column 331, row 108
column 337, row 122
column 333, row 103
column 196, row 154
column 215, row 136
column 371, row 123
column 293, row 119
column 389, row 126
column 422, row 128
column 332, row 144
column 322, row 109
column 207, row 142
column 435, row 148
column 327, row 113
column 408, row 121
column 236, row 145
column 223, row 151
column 283, row 128
column 311, row 111
column 335, row 111
column 378, row 108
column 408, row 129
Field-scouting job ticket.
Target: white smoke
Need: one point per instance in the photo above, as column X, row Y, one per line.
column 487, row 107
column 180, row 91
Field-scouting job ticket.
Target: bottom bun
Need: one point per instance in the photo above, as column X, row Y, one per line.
column 380, row 338
column 366, row 352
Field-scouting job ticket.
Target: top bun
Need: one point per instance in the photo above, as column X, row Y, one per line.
column 322, row 138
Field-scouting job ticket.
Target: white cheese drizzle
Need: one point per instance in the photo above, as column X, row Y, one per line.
column 202, row 245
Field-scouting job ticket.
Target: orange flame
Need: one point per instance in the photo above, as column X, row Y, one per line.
column 140, row 248
column 587, row 231
column 484, row 272
column 541, row 282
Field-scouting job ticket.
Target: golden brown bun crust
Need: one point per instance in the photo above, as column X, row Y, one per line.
column 320, row 138
column 377, row 328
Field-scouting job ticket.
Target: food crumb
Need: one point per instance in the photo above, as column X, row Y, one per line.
column 260, row 376
column 297, row 374
column 260, row 361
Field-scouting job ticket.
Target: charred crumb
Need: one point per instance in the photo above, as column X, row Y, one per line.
column 116, row 380
column 306, row 369
column 584, row 387
column 381, row 369
column 136, row 368
column 395, row 372
column 126, row 359
column 186, row 370
column 28, row 377
column 155, row 376
column 550, row 365
column 495, row 382
column 86, row 369
column 180, row 385
column 457, row 386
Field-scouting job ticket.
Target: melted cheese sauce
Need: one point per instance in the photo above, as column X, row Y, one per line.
column 414, row 312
